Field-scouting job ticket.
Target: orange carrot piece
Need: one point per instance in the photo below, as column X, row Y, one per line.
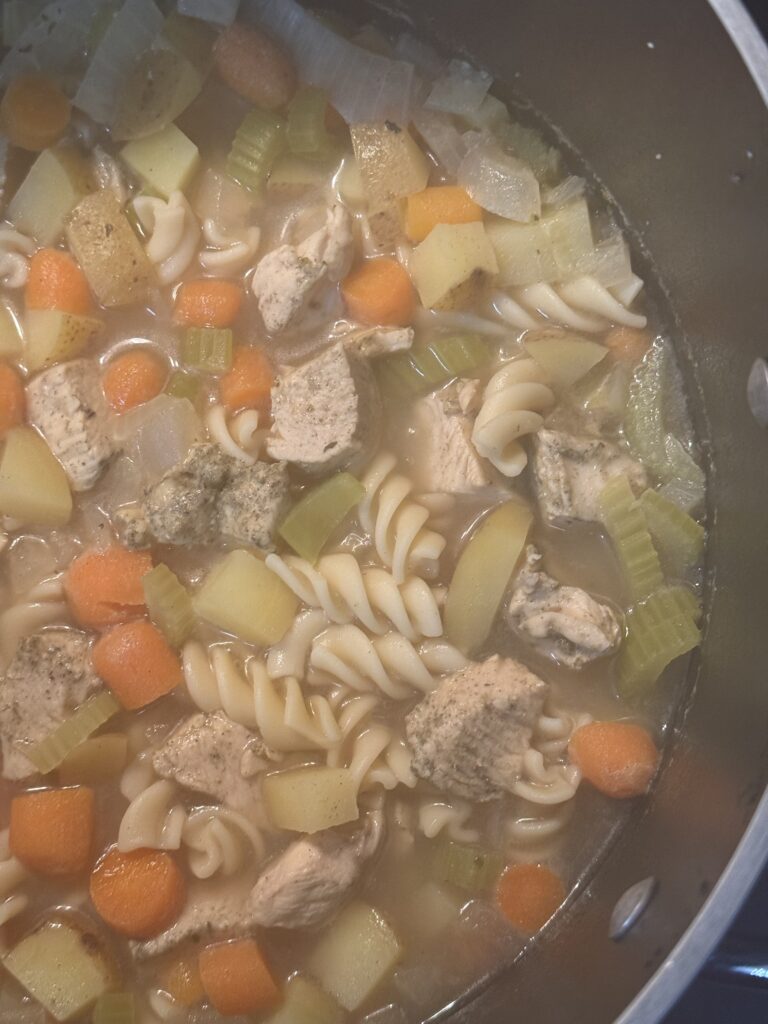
column 248, row 384
column 440, row 204
column 528, row 895
column 55, row 281
column 618, row 758
column 208, row 302
column 104, row 587
column 132, row 379
column 628, row 343
column 379, row 291
column 140, row 893
column 136, row 662
column 34, row 112
column 51, row 830
column 181, row 980
column 236, row 979
column 13, row 401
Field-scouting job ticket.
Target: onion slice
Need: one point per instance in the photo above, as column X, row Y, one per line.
column 461, row 90
column 53, row 41
column 499, row 182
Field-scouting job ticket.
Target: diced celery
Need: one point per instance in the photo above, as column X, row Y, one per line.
column 306, row 133
column 482, row 574
column 565, row 358
column 207, row 348
column 242, row 596
column 184, row 385
column 166, row 161
column 426, row 367
column 10, row 333
column 95, row 760
column 53, row 336
column 54, row 185
column 453, row 265
column 660, row 629
column 625, row 525
column 33, row 487
column 161, row 86
column 257, row 144
column 678, row 538
column 168, row 603
column 311, row 799
column 90, row 716
column 468, row 867
column 115, row 1008
column 391, row 163
column 311, row 522
column 306, row 1003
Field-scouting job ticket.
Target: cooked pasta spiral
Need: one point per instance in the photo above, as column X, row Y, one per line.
column 347, row 593
column 12, row 875
column 545, row 778
column 218, row 840
column 227, row 252
column 289, row 656
column 514, row 403
column 241, row 436
column 153, row 819
column 583, row 304
column 173, row 234
column 378, row 757
column 43, row 605
column 534, row 823
column 15, row 250
column 441, row 816
column 397, row 525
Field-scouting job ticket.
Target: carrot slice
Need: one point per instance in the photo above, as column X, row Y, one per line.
column 137, row 664
column 34, row 112
column 55, row 281
column 104, row 587
column 51, row 830
column 440, row 204
column 379, row 292
column 181, row 980
column 248, row 384
column 208, row 302
column 528, row 895
column 132, row 379
column 13, row 401
column 628, row 343
column 236, row 979
column 140, row 893
column 618, row 758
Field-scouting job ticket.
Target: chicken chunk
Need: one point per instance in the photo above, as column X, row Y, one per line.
column 67, row 405
column 447, row 458
column 469, row 735
column 181, row 508
column 379, row 341
column 565, row 623
column 327, row 413
column 49, row 677
column 253, row 503
column 570, row 473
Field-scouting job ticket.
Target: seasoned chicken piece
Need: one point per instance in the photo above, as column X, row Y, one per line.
column 181, row 507
column 379, row 341
column 570, row 472
column 253, row 503
column 447, row 458
column 49, row 677
column 306, row 884
column 469, row 735
column 67, row 405
column 327, row 413
column 285, row 278
column 562, row 622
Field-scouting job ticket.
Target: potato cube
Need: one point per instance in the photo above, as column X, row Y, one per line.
column 453, row 265
column 33, row 486
column 165, row 162
column 311, row 799
column 390, row 161
column 565, row 358
column 10, row 333
column 53, row 336
column 54, row 185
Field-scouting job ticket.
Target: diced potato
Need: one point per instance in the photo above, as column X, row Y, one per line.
column 10, row 333
column 311, row 799
column 109, row 252
column 63, row 966
column 306, row 1003
column 218, row 197
column 565, row 358
column 390, row 161
column 453, row 265
column 33, row 487
column 95, row 760
column 355, row 955
column 242, row 596
column 165, row 162
column 548, row 250
column 53, row 336
column 570, row 235
column 291, row 175
column 54, row 185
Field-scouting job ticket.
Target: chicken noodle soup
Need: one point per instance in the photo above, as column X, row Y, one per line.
column 350, row 520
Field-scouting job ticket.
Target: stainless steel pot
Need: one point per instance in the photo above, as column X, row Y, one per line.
column 657, row 99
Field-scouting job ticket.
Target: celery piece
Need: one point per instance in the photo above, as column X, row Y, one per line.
column 48, row 753
column 184, row 385
column 679, row 539
column 306, row 132
column 468, row 867
column 626, row 527
column 659, row 630
column 482, row 574
column 426, row 367
column 115, row 1008
column 207, row 348
column 306, row 1003
column 96, row 759
column 311, row 799
column 33, row 486
column 169, row 605
column 258, row 142
column 311, row 522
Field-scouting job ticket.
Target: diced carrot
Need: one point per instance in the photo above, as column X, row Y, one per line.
column 236, row 978
column 104, row 587
column 439, row 204
column 208, row 302
column 628, row 343
column 133, row 378
column 181, row 980
column 249, row 382
column 379, row 292
column 55, row 281
column 51, row 830
column 618, row 758
column 34, row 112
column 528, row 895
column 140, row 893
column 13, row 401
column 136, row 662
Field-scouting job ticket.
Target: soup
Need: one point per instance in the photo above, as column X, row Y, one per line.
column 350, row 521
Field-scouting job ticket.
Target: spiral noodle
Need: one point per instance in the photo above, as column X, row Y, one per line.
column 289, row 656
column 388, row 663
column 227, row 252
column 43, row 605
column 396, row 525
column 536, row 823
column 173, row 234
column 218, row 840
column 514, row 403
column 12, row 875
column 545, row 779
column 15, row 250
column 583, row 304
column 378, row 757
column 241, row 437
column 436, row 817
column 154, row 819
column 347, row 593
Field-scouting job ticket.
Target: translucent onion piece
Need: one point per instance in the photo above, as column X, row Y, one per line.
column 159, row 88
column 158, row 434
column 442, row 137
column 528, row 144
column 500, row 183
column 17, row 16
column 219, row 12
column 420, row 54
column 658, row 631
column 52, row 41
column 565, row 192
column 461, row 90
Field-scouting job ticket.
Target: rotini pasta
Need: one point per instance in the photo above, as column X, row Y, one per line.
column 43, row 605
column 346, row 593
column 545, row 778
column 397, row 525
column 554, row 729
column 514, row 403
column 218, row 840
column 227, row 252
column 241, row 437
column 12, row 875
column 15, row 250
column 289, row 656
column 173, row 234
column 449, row 818
column 377, row 757
column 153, row 819
column 532, row 824
column 583, row 304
